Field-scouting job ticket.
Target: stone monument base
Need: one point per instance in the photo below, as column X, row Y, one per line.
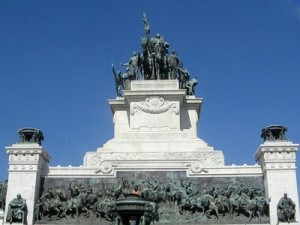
column 1, row 216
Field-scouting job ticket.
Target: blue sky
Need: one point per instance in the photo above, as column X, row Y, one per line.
column 55, row 67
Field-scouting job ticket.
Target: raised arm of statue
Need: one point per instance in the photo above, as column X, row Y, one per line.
column 113, row 69
column 118, row 80
column 146, row 25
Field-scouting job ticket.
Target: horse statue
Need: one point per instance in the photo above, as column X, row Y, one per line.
column 147, row 64
column 54, row 203
column 161, row 59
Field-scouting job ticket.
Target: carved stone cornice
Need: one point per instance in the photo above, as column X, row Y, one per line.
column 210, row 158
column 196, row 162
column 26, row 154
column 283, row 150
column 277, row 155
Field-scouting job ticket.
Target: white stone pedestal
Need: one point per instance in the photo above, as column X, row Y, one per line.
column 1, row 216
column 26, row 163
column 155, row 129
column 278, row 163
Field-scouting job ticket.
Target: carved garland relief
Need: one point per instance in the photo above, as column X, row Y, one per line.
column 154, row 105
column 106, row 167
column 207, row 158
column 106, row 162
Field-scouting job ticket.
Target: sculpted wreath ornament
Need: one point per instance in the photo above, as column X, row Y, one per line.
column 154, row 105
column 106, row 167
column 196, row 167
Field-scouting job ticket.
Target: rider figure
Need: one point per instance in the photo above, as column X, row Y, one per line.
column 133, row 65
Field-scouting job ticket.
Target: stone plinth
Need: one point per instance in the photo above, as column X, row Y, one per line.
column 1, row 216
column 155, row 128
column 27, row 161
column 278, row 162
column 155, row 149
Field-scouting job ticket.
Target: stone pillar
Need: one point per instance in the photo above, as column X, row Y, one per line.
column 27, row 161
column 1, row 216
column 277, row 158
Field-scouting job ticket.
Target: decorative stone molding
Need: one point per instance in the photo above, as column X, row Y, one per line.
column 154, row 105
column 21, row 155
column 280, row 166
column 106, row 167
column 197, row 167
column 23, row 167
column 208, row 157
column 95, row 160
column 277, row 155
column 222, row 171
column 198, row 162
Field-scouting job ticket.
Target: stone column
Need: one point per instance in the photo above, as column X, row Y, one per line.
column 1, row 216
column 277, row 158
column 27, row 161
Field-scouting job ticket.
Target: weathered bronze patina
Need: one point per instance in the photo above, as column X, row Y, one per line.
column 30, row 135
column 154, row 63
column 143, row 198
column 273, row 133
column 135, row 209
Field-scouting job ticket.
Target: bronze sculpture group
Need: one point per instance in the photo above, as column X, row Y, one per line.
column 83, row 201
column 232, row 200
column 164, row 200
column 154, row 63
column 3, row 190
column 30, row 135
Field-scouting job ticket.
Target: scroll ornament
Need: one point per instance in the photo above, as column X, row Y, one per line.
column 154, row 105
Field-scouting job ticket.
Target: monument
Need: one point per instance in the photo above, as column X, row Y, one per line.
column 155, row 170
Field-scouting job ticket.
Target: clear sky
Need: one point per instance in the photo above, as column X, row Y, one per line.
column 55, row 67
